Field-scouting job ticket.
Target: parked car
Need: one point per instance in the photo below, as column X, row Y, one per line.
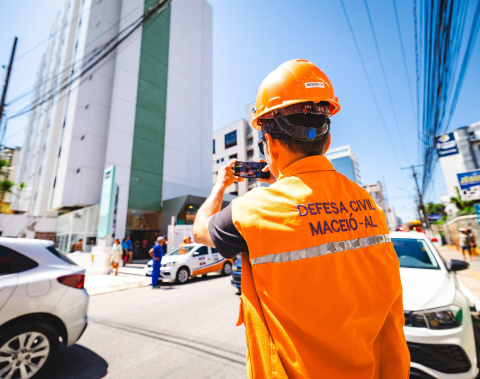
column 42, row 303
column 236, row 279
column 438, row 324
column 191, row 260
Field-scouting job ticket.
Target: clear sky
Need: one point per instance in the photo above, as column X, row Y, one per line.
column 252, row 38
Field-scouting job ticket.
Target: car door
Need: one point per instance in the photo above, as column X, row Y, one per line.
column 201, row 260
column 12, row 264
column 8, row 275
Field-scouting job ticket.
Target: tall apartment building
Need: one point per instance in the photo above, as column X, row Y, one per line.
column 345, row 162
column 238, row 140
column 147, row 110
column 376, row 192
column 459, row 152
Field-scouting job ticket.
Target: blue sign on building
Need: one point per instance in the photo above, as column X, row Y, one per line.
column 469, row 179
column 477, row 209
column 446, row 145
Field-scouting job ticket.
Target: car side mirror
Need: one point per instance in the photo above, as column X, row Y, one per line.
column 457, row 265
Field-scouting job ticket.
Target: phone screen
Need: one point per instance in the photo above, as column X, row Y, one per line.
column 250, row 170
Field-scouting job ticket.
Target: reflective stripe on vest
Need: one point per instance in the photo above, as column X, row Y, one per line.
column 325, row 249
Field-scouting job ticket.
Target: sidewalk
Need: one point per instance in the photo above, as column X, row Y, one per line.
column 469, row 278
column 96, row 283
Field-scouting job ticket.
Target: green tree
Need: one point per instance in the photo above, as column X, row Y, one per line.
column 464, row 207
column 5, row 187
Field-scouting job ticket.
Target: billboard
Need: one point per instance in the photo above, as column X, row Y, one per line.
column 446, row 145
column 469, row 183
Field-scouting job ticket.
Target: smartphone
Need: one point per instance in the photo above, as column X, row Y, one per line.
column 250, row 170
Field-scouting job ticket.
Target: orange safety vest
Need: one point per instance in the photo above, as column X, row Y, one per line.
column 321, row 291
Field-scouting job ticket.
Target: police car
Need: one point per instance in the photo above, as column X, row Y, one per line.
column 191, row 260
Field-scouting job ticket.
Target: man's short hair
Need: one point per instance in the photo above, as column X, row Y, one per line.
column 308, row 120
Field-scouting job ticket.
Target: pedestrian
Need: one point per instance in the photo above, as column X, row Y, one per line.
column 116, row 255
column 185, row 242
column 156, row 252
column 78, row 247
column 473, row 244
column 464, row 242
column 136, row 249
column 128, row 250
column 145, row 245
column 321, row 290
column 165, row 245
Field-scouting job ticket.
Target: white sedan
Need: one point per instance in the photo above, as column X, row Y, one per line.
column 42, row 302
column 191, row 260
column 438, row 325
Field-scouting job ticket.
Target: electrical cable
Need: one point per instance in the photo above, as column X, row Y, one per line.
column 135, row 26
column 369, row 83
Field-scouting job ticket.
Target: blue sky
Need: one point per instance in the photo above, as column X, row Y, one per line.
column 251, row 38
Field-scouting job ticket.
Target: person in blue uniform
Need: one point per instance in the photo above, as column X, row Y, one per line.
column 156, row 252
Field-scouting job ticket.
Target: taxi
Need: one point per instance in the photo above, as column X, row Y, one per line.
column 191, row 260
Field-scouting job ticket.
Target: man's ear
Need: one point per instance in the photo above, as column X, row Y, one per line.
column 271, row 144
column 328, row 142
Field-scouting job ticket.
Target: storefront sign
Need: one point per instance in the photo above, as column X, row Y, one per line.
column 469, row 183
column 446, row 145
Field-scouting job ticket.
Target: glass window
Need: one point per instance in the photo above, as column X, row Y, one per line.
column 201, row 251
column 233, row 156
column 230, row 139
column 60, row 255
column 182, row 250
column 12, row 262
column 214, row 250
column 250, row 154
column 414, row 253
column 213, row 146
column 250, row 141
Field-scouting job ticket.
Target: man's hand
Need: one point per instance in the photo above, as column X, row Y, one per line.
column 225, row 176
column 272, row 179
column 156, row 258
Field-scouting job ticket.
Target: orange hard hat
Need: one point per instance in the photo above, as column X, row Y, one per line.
column 294, row 82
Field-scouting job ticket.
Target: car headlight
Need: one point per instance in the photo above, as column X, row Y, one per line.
column 170, row 264
column 438, row 318
column 235, row 268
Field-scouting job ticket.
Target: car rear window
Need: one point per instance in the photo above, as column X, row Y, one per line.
column 60, row 255
column 414, row 253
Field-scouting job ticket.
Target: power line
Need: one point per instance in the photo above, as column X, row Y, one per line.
column 152, row 11
column 369, row 82
column 385, row 80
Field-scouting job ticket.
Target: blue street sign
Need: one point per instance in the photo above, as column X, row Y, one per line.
column 446, row 145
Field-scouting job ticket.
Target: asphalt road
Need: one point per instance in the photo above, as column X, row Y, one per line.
column 181, row 331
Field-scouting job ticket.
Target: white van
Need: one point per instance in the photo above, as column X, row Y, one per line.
column 191, row 260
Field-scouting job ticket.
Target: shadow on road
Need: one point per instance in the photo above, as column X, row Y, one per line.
column 78, row 362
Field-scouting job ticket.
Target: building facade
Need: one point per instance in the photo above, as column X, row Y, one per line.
column 375, row 190
column 146, row 109
column 459, row 152
column 345, row 162
column 238, row 140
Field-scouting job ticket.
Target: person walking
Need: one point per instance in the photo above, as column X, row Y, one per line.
column 156, row 252
column 129, row 252
column 116, row 255
column 321, row 290
column 473, row 244
column 464, row 242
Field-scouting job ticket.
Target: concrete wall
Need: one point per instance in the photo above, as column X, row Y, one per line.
column 25, row 226
column 451, row 229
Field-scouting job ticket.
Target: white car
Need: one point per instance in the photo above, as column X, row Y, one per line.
column 42, row 302
column 438, row 325
column 191, row 260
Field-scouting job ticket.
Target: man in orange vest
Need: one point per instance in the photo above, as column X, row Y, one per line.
column 321, row 291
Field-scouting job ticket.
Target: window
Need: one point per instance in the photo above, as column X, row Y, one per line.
column 201, row 251
column 213, row 146
column 250, row 141
column 250, row 154
column 60, row 255
column 214, row 250
column 78, row 170
column 230, row 139
column 233, row 156
column 221, row 160
column 12, row 262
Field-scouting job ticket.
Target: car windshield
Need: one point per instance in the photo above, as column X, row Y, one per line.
column 182, row 250
column 414, row 253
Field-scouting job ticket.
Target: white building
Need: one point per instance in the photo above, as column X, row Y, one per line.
column 147, row 110
column 238, row 140
column 345, row 162
column 376, row 192
column 459, row 152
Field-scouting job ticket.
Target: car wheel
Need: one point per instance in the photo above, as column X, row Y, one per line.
column 26, row 351
column 227, row 268
column 182, row 275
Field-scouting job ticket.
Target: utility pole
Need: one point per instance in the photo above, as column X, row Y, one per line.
column 420, row 197
column 4, row 94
